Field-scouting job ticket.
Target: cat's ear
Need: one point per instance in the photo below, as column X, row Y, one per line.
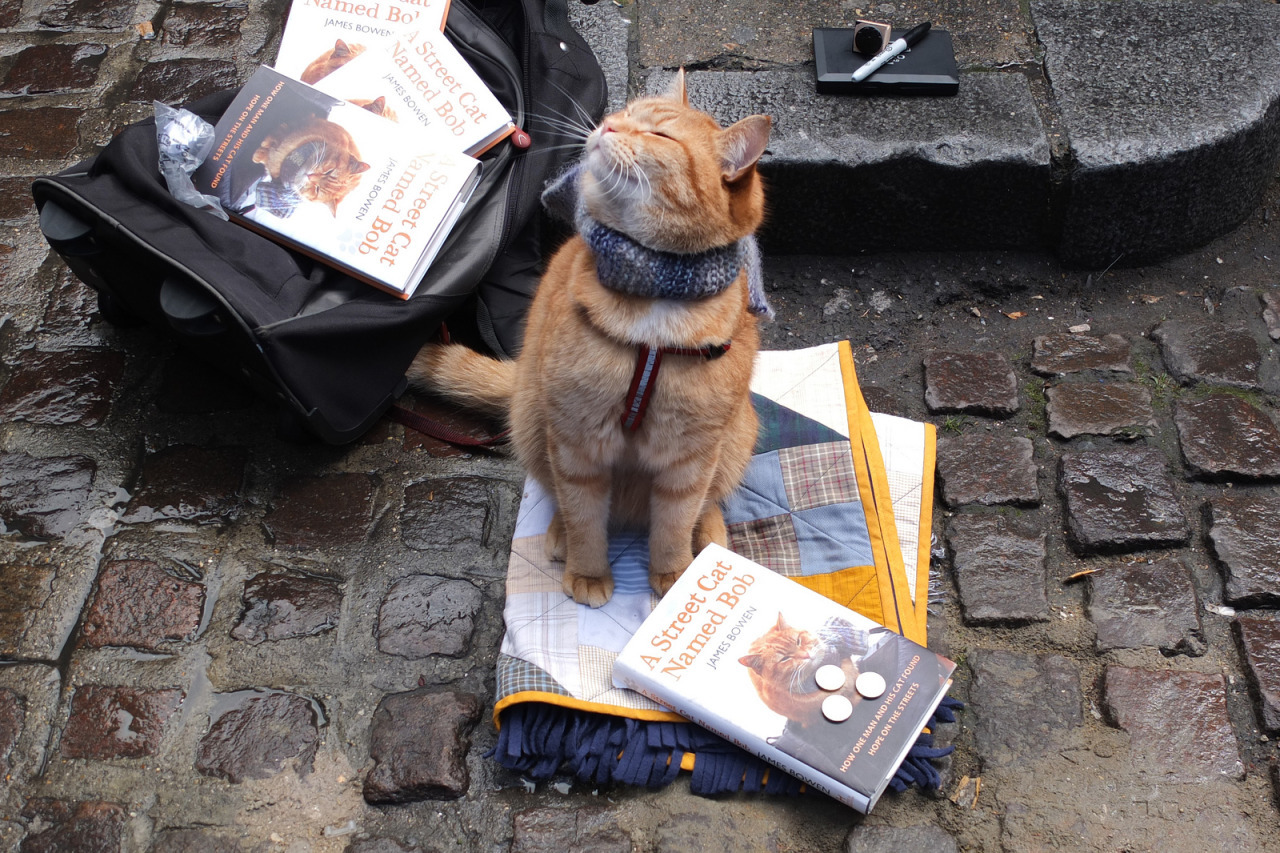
column 782, row 624
column 741, row 145
column 752, row 662
column 358, row 166
column 332, row 204
column 677, row 91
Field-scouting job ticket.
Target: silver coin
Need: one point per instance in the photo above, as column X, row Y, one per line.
column 837, row 708
column 870, row 684
column 829, row 677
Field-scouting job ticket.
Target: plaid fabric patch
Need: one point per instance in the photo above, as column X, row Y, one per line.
column 517, row 676
column 818, row 475
column 770, row 542
column 596, row 666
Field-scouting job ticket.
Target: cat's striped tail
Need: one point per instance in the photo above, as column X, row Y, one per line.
column 465, row 376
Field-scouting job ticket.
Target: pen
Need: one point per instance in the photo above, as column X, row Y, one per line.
column 912, row 36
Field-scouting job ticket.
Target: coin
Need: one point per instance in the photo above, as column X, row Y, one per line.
column 870, row 684
column 829, row 677
column 836, row 708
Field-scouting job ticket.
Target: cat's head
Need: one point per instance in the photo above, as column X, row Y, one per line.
column 331, row 60
column 333, row 173
column 780, row 652
column 671, row 178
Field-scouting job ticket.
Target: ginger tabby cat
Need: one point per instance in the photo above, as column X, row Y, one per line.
column 663, row 268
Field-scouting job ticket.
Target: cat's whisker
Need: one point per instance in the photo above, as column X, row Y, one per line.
column 574, row 101
column 562, row 128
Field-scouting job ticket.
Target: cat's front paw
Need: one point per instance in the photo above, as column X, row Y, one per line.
column 663, row 581
column 591, row 591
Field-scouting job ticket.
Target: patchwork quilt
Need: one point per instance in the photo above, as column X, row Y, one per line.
column 836, row 497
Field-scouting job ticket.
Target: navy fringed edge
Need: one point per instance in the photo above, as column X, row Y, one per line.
column 538, row 740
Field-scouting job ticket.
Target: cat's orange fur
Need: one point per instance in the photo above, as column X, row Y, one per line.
column 335, row 174
column 778, row 660
column 566, row 391
column 331, row 60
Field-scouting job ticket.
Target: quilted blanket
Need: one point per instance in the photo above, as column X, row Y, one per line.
column 836, row 497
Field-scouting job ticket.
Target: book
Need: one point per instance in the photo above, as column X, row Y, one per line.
column 722, row 645
column 420, row 80
column 334, row 181
column 928, row 68
column 321, row 35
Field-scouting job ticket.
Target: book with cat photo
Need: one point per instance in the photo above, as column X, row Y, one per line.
column 320, row 36
column 420, row 80
column 787, row 674
column 336, row 182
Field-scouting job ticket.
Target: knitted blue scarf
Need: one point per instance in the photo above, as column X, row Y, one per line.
column 626, row 266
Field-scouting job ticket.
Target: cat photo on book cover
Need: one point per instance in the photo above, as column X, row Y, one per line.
column 307, row 158
column 782, row 664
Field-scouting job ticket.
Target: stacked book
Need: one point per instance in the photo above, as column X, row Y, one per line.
column 359, row 146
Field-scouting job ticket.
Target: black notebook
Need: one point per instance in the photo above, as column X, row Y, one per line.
column 929, row 68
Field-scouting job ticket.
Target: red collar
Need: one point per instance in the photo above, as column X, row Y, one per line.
column 648, row 360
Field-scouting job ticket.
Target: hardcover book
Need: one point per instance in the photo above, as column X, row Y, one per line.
column 420, row 80
column 787, row 674
column 928, row 68
column 321, row 35
column 334, row 181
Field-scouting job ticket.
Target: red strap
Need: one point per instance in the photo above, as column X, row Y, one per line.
column 435, row 429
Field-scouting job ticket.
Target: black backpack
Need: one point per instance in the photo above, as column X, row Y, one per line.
column 332, row 349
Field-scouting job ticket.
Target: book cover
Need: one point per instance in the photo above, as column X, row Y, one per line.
column 787, row 674
column 928, row 68
column 322, row 35
column 420, row 80
column 335, row 181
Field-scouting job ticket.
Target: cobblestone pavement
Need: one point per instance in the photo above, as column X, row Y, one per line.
column 212, row 639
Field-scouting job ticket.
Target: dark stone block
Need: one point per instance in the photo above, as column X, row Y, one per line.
column 448, row 512
column 1205, row 351
column 980, row 383
column 1143, row 605
column 1177, row 722
column 186, row 483
column 1120, row 500
column 139, row 605
column 25, row 590
column 321, row 512
column 1061, row 354
column 999, row 570
column 987, row 470
column 56, row 388
column 201, row 25
column 53, row 68
column 1078, row 408
column 86, row 14
column 424, row 615
column 117, row 722
column 15, row 198
column 1259, row 636
column 72, row 305
column 1244, row 532
column 1145, row 181
column 1023, row 706
column 286, row 606
column 418, row 743
column 551, row 830
column 1224, row 437
column 44, row 498
column 259, row 736
column 49, row 133
column 79, row 826
column 926, row 166
column 10, row 12
column 176, row 81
